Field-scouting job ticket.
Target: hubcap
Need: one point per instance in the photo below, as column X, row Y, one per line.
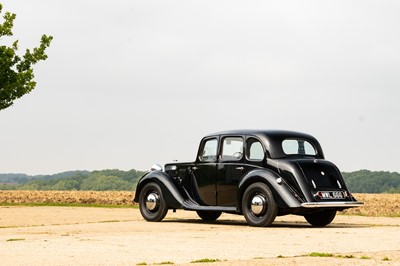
column 258, row 204
column 152, row 201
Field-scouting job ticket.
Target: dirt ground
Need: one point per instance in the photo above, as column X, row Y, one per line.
column 106, row 236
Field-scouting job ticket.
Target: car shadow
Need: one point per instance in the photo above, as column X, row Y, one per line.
column 276, row 224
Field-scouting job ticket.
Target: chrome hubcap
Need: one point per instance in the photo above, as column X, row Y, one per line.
column 258, row 204
column 152, row 201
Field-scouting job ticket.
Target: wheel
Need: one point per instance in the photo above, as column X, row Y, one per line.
column 151, row 203
column 258, row 205
column 209, row 215
column 320, row 219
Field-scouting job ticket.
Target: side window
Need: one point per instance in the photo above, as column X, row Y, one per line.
column 255, row 151
column 232, row 148
column 209, row 153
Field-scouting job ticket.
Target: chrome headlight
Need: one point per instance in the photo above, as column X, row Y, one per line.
column 156, row 167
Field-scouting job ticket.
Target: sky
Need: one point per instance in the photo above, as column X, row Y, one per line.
column 128, row 84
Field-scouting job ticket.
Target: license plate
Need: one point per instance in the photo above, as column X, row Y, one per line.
column 330, row 194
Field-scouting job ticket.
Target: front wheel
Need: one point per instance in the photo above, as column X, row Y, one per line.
column 209, row 215
column 320, row 219
column 258, row 205
column 151, row 203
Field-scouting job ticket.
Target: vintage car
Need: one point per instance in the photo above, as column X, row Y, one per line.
column 256, row 173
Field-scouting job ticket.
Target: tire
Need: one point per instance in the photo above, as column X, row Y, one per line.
column 258, row 205
column 321, row 219
column 209, row 215
column 151, row 203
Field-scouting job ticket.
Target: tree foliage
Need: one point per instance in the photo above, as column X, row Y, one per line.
column 365, row 181
column 362, row 181
column 116, row 180
column 16, row 73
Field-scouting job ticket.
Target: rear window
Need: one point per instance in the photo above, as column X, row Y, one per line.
column 298, row 147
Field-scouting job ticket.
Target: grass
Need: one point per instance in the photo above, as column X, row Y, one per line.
column 110, row 221
column 15, row 239
column 205, row 260
column 385, row 259
column 141, row 263
column 320, row 254
column 345, row 256
column 165, row 262
column 61, row 204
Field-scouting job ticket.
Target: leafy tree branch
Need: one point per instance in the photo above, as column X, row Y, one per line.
column 16, row 73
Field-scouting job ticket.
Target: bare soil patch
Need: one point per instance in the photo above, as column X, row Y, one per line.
column 104, row 236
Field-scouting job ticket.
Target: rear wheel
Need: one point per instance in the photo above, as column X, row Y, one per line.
column 320, row 219
column 151, row 203
column 209, row 215
column 258, row 205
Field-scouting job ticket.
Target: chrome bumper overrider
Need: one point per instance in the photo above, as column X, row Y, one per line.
column 334, row 204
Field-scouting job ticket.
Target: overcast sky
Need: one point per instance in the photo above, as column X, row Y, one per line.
column 131, row 83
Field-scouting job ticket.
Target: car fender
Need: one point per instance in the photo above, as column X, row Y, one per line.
column 282, row 194
column 170, row 192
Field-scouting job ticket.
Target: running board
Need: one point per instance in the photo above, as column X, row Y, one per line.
column 194, row 206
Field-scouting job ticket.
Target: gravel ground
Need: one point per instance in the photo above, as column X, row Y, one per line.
column 105, row 236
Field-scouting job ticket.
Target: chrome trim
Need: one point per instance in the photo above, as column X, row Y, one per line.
column 258, row 204
column 313, row 183
column 329, row 204
column 156, row 167
column 152, row 201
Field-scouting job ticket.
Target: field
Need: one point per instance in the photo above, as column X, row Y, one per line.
column 48, row 234
column 118, row 198
column 375, row 204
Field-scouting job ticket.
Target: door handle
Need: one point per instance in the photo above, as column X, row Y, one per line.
column 239, row 168
column 194, row 168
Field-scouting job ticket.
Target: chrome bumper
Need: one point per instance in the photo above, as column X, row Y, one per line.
column 332, row 204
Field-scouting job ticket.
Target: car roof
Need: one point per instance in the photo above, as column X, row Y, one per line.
column 271, row 138
column 264, row 132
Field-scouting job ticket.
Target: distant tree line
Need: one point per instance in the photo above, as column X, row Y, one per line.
column 103, row 180
column 362, row 181
column 365, row 181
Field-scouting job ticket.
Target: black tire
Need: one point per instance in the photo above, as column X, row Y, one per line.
column 320, row 219
column 258, row 205
column 209, row 215
column 151, row 203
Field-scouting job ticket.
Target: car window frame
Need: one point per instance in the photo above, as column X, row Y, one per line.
column 262, row 146
column 203, row 145
column 220, row 156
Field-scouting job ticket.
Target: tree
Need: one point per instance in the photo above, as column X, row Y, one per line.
column 16, row 73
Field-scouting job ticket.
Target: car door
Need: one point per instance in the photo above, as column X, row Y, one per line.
column 234, row 162
column 204, row 172
column 230, row 170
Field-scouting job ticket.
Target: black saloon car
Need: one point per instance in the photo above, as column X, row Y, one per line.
column 256, row 173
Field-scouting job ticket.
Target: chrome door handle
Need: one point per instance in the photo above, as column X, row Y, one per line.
column 194, row 168
column 239, row 168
